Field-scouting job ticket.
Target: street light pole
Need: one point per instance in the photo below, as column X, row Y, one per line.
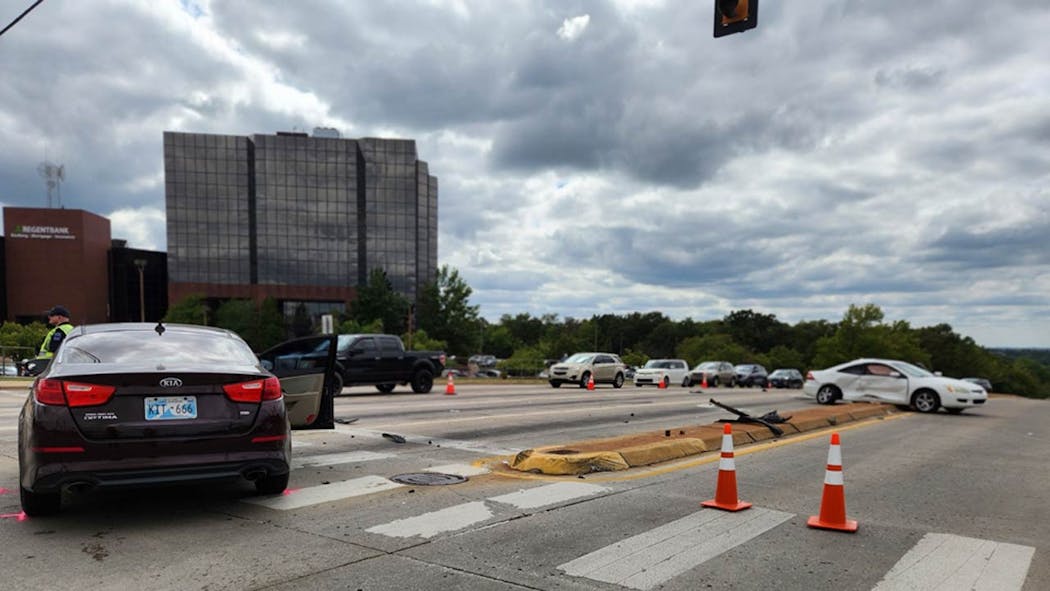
column 140, row 264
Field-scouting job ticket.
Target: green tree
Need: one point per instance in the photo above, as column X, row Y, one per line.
column 444, row 310
column 781, row 356
column 861, row 333
column 302, row 324
column 261, row 327
column 757, row 332
column 378, row 301
column 351, row 326
column 189, row 310
column 713, row 347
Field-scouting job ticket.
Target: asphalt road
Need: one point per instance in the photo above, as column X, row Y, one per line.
column 955, row 500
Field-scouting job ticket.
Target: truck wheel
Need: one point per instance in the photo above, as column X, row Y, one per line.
column 336, row 385
column 422, row 381
column 385, row 388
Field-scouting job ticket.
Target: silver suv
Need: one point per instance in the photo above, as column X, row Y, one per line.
column 578, row 369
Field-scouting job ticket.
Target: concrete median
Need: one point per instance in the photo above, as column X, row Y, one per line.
column 644, row 449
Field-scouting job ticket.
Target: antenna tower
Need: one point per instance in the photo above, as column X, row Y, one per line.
column 53, row 175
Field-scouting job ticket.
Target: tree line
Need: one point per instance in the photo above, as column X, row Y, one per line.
column 442, row 318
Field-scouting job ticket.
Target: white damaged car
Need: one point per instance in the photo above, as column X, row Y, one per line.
column 894, row 382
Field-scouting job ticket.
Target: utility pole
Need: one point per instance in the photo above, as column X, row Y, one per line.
column 140, row 264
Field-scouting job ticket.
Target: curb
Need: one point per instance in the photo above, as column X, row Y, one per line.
column 643, row 449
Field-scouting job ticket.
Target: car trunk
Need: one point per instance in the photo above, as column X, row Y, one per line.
column 141, row 408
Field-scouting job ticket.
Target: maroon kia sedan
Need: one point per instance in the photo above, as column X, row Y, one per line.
column 137, row 404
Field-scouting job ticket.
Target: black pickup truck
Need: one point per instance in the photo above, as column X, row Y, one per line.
column 381, row 360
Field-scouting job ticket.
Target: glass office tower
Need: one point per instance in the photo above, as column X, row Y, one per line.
column 302, row 219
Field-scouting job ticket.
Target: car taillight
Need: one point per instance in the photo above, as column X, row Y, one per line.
column 80, row 394
column 809, row 377
column 49, row 392
column 59, row 393
column 254, row 390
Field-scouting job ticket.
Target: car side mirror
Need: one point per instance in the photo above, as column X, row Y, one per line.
column 896, row 374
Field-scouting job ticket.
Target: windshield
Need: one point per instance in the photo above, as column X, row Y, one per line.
column 579, row 358
column 147, row 347
column 708, row 365
column 912, row 370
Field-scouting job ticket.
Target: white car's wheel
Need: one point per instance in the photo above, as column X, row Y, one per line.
column 926, row 401
column 827, row 394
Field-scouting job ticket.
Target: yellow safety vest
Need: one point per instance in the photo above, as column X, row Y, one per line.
column 45, row 347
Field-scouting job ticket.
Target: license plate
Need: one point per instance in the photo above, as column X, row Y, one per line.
column 167, row 408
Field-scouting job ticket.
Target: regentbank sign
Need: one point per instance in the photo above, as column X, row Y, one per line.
column 43, row 232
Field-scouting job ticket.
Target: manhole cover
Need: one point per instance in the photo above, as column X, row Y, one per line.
column 428, row 478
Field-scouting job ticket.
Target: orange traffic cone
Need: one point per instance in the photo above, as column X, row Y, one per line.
column 703, row 382
column 725, row 493
column 662, row 384
column 450, row 388
column 590, row 381
column 833, row 503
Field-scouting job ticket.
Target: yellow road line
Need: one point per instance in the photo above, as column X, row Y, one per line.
column 706, row 459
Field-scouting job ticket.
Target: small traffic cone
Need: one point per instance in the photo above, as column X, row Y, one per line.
column 833, row 503
column 450, row 388
column 662, row 384
column 703, row 381
column 590, row 381
column 725, row 492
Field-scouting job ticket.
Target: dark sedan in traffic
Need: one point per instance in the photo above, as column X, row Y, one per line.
column 786, row 378
column 130, row 405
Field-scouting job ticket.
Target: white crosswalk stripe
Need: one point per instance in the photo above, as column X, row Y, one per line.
column 944, row 562
column 651, row 558
column 431, row 524
column 338, row 458
column 325, row 493
column 467, row 514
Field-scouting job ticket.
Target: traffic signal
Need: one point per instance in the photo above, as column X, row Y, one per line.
column 735, row 16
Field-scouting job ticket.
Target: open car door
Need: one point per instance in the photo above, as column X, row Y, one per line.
column 306, row 368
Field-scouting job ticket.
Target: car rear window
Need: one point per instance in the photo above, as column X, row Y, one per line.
column 148, row 347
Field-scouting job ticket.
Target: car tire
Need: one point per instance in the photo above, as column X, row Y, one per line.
column 714, row 382
column 926, row 401
column 385, row 388
column 555, row 384
column 583, row 379
column 336, row 385
column 272, row 484
column 828, row 394
column 618, row 381
column 40, row 504
column 422, row 381
column 685, row 382
column 667, row 382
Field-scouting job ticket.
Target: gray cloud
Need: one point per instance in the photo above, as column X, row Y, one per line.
column 845, row 151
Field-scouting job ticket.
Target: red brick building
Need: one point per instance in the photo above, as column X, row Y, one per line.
column 56, row 256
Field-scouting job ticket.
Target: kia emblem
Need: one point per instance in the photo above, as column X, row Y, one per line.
column 171, row 383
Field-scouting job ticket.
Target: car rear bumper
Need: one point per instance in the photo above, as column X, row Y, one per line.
column 176, row 470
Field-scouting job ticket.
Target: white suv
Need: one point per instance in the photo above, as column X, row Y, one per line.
column 578, row 369
column 668, row 371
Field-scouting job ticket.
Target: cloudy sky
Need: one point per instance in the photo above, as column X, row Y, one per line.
column 600, row 156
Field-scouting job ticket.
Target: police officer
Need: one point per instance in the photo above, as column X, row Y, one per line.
column 58, row 317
